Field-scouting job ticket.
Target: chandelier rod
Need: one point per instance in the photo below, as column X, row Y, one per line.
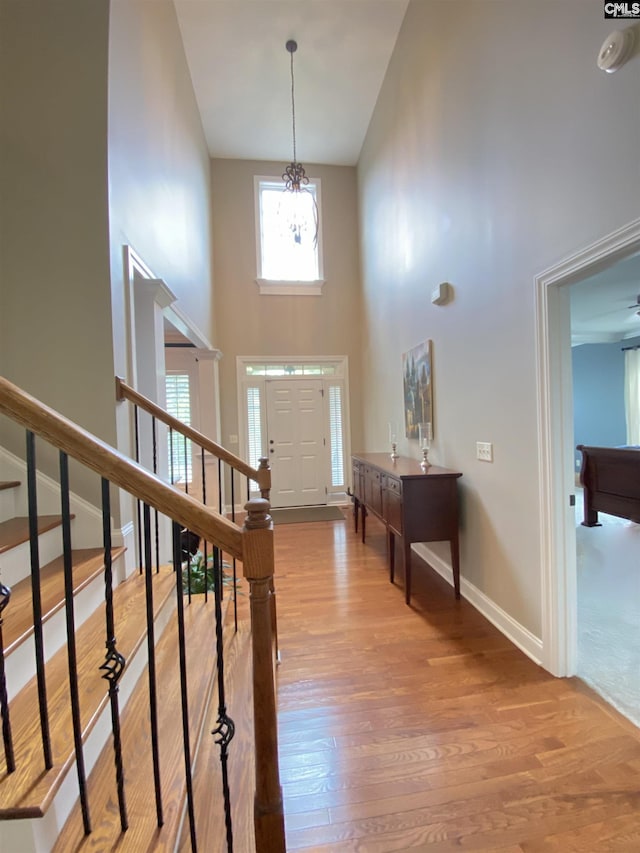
column 292, row 46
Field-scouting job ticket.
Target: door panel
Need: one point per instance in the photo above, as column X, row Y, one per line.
column 295, row 426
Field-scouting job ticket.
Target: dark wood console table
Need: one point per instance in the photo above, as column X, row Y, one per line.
column 417, row 505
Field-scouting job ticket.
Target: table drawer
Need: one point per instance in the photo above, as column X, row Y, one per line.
column 394, row 485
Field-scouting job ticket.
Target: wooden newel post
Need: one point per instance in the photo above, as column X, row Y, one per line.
column 258, row 568
column 264, row 478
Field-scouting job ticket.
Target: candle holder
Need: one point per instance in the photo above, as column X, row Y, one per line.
column 424, row 434
column 392, row 439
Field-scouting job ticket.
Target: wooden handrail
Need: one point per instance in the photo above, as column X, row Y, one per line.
column 262, row 475
column 253, row 545
column 118, row 469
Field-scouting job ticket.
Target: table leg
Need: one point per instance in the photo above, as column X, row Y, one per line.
column 391, row 545
column 364, row 521
column 406, row 556
column 356, row 510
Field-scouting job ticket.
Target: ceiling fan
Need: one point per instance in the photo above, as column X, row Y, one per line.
column 636, row 304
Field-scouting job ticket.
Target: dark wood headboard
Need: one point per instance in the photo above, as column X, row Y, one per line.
column 611, row 480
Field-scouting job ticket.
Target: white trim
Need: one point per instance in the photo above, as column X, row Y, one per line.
column 125, row 537
column 514, row 631
column 290, row 288
column 555, row 440
column 176, row 316
column 134, row 267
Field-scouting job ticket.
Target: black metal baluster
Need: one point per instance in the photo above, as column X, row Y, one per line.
column 9, row 757
column 37, row 599
column 233, row 494
column 220, row 486
column 71, row 641
column 205, row 544
column 184, row 686
column 225, row 727
column 136, row 427
column 187, row 554
column 114, row 663
column 151, row 649
column 155, row 471
column 233, row 562
column 172, row 478
column 186, row 468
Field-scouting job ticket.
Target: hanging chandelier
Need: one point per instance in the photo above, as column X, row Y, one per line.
column 295, row 178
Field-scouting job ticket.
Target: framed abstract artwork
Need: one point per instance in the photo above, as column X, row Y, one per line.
column 418, row 389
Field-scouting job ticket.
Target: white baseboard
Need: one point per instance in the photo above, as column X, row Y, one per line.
column 513, row 630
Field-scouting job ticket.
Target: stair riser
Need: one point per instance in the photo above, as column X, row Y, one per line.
column 87, row 530
column 39, row 836
column 15, row 563
column 7, row 504
column 20, row 663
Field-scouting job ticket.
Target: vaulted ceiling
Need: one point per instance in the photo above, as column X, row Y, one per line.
column 240, row 70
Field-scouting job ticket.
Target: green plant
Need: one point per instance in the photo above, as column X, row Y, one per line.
column 194, row 574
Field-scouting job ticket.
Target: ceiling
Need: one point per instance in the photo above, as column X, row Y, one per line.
column 240, row 70
column 600, row 311
column 241, row 75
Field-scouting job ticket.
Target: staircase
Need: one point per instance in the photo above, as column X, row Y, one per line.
column 109, row 678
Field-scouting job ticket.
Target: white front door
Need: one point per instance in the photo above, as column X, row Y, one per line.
column 295, row 438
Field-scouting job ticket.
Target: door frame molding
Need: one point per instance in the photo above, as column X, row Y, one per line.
column 555, row 440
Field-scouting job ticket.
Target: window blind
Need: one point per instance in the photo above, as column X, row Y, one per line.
column 178, row 393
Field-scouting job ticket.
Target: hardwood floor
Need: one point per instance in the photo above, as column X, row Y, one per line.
column 423, row 727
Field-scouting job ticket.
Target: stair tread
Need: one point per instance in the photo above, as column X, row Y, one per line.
column 207, row 783
column 143, row 832
column 18, row 615
column 9, row 484
column 15, row 531
column 28, row 791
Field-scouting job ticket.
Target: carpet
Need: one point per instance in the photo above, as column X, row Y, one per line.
column 295, row 515
column 608, row 563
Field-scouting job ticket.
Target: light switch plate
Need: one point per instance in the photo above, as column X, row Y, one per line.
column 484, row 451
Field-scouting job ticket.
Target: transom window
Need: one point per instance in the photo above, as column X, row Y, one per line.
column 288, row 237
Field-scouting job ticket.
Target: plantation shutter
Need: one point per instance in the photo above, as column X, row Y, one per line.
column 254, row 426
column 336, row 435
column 179, row 406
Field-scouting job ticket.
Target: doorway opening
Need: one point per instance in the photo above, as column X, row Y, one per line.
column 555, row 439
column 294, row 411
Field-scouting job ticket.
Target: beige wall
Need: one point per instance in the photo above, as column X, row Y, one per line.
column 159, row 188
column 102, row 145
column 253, row 324
column 497, row 148
column 54, row 258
